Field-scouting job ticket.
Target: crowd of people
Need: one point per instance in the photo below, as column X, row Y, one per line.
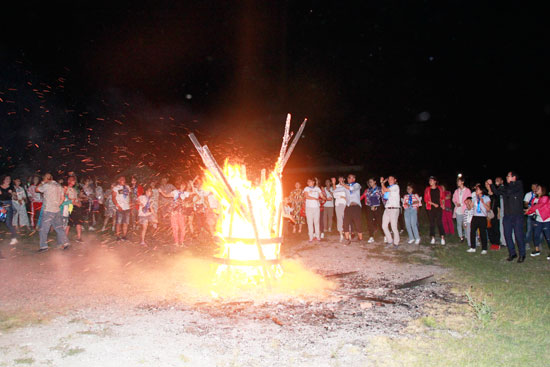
column 493, row 212
column 40, row 204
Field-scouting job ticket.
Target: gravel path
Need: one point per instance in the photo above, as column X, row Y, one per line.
column 108, row 304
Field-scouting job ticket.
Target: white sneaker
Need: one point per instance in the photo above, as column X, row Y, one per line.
column 341, row 238
column 432, row 241
column 323, row 235
column 13, row 241
column 471, row 250
column 385, row 239
column 484, row 252
column 417, row 242
column 371, row 240
column 91, row 228
column 443, row 242
column 410, row 241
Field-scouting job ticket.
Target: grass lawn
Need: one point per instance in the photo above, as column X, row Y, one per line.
column 509, row 314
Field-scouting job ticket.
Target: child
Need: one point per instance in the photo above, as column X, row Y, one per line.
column 411, row 203
column 146, row 213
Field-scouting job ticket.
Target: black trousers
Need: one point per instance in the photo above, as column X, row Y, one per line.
column 481, row 224
column 374, row 220
column 435, row 215
column 352, row 217
column 494, row 232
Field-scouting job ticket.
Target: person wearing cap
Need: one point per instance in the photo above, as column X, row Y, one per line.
column 435, row 201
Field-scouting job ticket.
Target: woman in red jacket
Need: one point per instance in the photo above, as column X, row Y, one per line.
column 434, row 197
column 542, row 219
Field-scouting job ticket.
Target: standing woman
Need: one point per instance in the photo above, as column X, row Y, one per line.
column 20, row 217
column 541, row 213
column 392, row 209
column 297, row 201
column 36, row 201
column 328, row 213
column 411, row 203
column 447, row 215
column 482, row 205
column 493, row 228
column 7, row 193
column 459, row 200
column 339, row 193
column 435, row 201
column 313, row 195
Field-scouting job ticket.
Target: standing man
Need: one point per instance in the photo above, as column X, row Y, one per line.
column 352, row 213
column 53, row 197
column 392, row 209
column 435, row 201
column 512, row 193
column 373, row 199
column 340, row 201
column 121, row 199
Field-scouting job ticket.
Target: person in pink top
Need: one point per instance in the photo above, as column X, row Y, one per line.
column 447, row 216
column 541, row 213
column 459, row 200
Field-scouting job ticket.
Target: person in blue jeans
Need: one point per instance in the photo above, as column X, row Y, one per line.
column 512, row 195
column 411, row 203
column 528, row 201
column 7, row 192
column 51, row 212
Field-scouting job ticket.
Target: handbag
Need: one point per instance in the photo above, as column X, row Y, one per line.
column 490, row 214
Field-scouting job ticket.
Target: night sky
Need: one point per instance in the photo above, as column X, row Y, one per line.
column 410, row 88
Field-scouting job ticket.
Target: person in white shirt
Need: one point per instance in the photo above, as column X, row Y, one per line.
column 392, row 209
column 339, row 193
column 352, row 214
column 146, row 213
column 468, row 215
column 20, row 217
column 482, row 205
column 328, row 211
column 121, row 199
column 312, row 195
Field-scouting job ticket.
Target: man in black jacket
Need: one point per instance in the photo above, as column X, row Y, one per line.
column 512, row 195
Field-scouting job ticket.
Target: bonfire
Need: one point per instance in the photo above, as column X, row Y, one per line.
column 249, row 227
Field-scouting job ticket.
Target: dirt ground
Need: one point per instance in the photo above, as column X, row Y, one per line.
column 103, row 303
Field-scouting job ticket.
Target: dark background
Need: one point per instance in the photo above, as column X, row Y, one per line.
column 410, row 88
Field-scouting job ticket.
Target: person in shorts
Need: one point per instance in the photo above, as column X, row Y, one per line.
column 121, row 199
column 77, row 214
column 146, row 213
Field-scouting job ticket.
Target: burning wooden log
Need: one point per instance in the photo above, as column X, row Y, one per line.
column 251, row 215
